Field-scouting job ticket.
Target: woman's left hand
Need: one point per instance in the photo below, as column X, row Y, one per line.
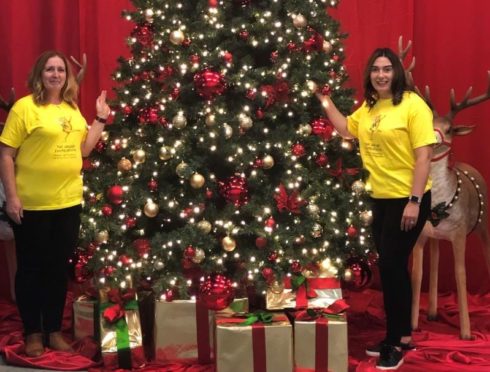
column 410, row 216
column 101, row 107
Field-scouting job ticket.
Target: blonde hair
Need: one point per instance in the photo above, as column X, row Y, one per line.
column 69, row 92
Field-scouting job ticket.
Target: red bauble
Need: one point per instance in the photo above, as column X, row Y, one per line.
column 323, row 128
column 296, row 267
column 292, row 46
column 169, row 295
column 175, row 93
column 148, row 115
column 228, row 57
column 194, row 59
column 107, row 271
column 244, row 34
column 258, row 163
column 261, row 242
column 361, row 274
column 270, row 222
column 259, row 113
column 115, row 194
column 153, row 185
column 351, row 232
column 268, row 274
column 187, row 42
column 321, row 160
column 106, row 210
column 251, row 94
column 234, row 190
column 144, row 34
column 274, row 56
column 127, row 110
column 189, row 251
column 125, row 260
column 272, row 257
column 142, row 246
column 213, row 3
column 209, row 83
column 216, row 292
column 130, row 222
column 209, row 194
column 100, row 146
column 298, row 149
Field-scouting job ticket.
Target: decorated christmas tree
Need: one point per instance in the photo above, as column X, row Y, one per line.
column 220, row 169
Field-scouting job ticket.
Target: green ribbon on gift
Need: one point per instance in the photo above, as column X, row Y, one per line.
column 122, row 334
column 258, row 317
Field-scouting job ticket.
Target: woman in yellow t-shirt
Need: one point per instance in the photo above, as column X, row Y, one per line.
column 41, row 149
column 395, row 132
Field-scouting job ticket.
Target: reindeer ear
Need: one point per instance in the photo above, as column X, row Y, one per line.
column 462, row 130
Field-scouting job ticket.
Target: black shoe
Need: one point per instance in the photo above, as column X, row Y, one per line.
column 389, row 358
column 375, row 349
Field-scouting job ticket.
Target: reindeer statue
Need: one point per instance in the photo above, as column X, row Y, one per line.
column 459, row 207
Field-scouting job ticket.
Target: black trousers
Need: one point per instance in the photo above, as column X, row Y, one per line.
column 394, row 248
column 44, row 242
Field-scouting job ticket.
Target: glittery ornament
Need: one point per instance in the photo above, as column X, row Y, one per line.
column 209, row 83
column 351, row 231
column 165, row 153
column 151, row 209
column 305, row 129
column 106, row 210
column 204, row 226
column 323, row 128
column 326, row 46
column 142, row 246
column 358, row 186
column 366, row 218
column 296, row 267
column 179, row 121
column 267, row 162
column 317, row 230
column 299, row 20
column 234, row 190
column 321, row 160
column 216, row 292
column 177, row 37
column 358, row 274
column 143, row 33
column 182, row 169
column 189, row 251
column 210, row 120
column 139, row 156
column 199, row 256
column 124, row 165
column 228, row 244
column 130, row 222
column 298, row 150
column 102, row 236
column 153, row 185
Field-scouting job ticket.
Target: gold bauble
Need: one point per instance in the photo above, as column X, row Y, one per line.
column 210, row 120
column 158, row 265
column 276, row 287
column 177, row 37
column 348, row 275
column 165, row 153
column 124, row 165
column 347, row 145
column 316, row 230
column 139, row 156
column 228, row 131
column 305, row 129
column 198, row 256
column 151, row 209
column 204, row 226
column 182, row 169
column 327, row 46
column 267, row 162
column 228, row 244
column 299, row 20
column 102, row 236
column 358, row 186
column 179, row 121
column 313, row 210
column 366, row 218
column 197, row 180
column 104, row 136
column 245, row 122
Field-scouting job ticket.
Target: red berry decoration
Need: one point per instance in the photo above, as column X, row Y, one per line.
column 153, row 185
column 115, row 194
column 189, row 252
column 298, row 149
column 244, row 34
column 209, row 83
column 321, row 160
column 272, row 257
column 130, row 222
column 106, row 210
column 216, row 292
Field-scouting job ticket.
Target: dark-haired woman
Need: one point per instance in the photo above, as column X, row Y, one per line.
column 395, row 133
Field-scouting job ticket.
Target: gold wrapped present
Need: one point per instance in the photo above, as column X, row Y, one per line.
column 312, row 293
column 257, row 347
column 121, row 339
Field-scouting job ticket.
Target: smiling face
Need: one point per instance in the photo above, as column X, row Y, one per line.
column 54, row 76
column 381, row 75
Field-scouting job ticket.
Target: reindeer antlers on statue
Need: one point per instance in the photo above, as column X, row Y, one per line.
column 83, row 67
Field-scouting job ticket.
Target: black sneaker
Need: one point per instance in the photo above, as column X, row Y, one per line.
column 376, row 349
column 389, row 358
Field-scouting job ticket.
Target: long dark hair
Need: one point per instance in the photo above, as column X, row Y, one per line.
column 398, row 84
column 69, row 92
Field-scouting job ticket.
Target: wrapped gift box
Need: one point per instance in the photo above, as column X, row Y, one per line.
column 184, row 329
column 254, row 348
column 121, row 338
column 321, row 345
column 86, row 318
column 313, row 293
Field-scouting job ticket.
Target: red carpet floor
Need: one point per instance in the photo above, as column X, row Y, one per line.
column 438, row 345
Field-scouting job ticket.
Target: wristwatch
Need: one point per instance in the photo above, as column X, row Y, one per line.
column 415, row 199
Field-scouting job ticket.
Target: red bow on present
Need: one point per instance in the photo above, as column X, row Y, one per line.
column 338, row 170
column 332, row 311
column 116, row 311
column 290, row 203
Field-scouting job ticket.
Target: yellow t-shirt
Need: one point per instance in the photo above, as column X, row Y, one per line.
column 388, row 135
column 48, row 163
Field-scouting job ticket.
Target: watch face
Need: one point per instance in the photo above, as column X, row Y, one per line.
column 415, row 199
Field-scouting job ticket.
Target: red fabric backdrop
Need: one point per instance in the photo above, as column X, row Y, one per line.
column 449, row 42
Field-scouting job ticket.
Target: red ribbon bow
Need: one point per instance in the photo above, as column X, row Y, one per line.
column 115, row 312
column 290, row 203
column 338, row 170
